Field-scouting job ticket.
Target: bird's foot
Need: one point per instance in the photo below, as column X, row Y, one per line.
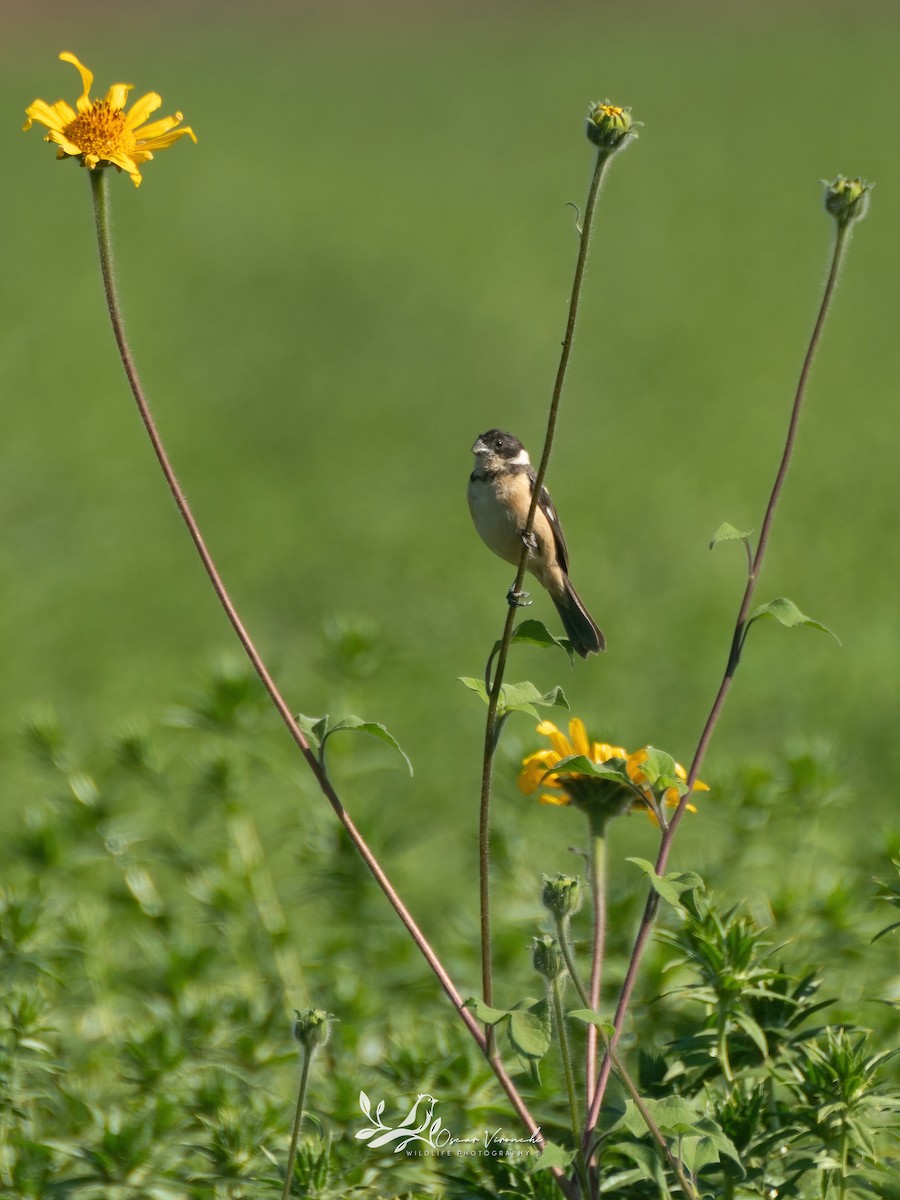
column 530, row 541
column 518, row 599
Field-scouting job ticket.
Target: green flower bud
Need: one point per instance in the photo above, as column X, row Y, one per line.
column 312, row 1027
column 847, row 199
column 561, row 895
column 547, row 957
column 608, row 126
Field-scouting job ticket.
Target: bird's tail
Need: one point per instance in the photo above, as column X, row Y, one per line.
column 580, row 626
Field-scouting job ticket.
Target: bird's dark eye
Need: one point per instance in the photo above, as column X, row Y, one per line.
column 498, row 443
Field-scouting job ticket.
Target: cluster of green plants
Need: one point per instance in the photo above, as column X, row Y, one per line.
column 152, row 955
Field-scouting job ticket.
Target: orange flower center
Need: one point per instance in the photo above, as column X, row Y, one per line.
column 100, row 130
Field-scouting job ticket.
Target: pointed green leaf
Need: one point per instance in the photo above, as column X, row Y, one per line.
column 787, row 613
column 672, row 1114
column 728, row 533
column 553, row 1156
column 723, row 1143
column 374, row 729
column 578, row 764
column 671, row 886
column 536, row 633
column 474, row 685
column 314, row 727
column 484, row 1013
column 753, row 1031
column 592, row 1018
column 522, row 697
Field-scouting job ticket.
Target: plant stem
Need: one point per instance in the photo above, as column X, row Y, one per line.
column 100, row 194
column 298, row 1117
column 559, row 1018
column 841, row 242
column 490, row 730
column 597, row 869
column 562, row 936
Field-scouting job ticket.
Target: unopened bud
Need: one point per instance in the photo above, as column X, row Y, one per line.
column 312, row 1027
column 547, row 957
column 562, row 895
column 847, row 199
column 608, row 126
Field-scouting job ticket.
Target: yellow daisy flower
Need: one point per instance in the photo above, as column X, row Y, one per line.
column 602, row 797
column 100, row 133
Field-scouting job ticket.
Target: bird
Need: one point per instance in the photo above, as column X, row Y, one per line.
column 499, row 495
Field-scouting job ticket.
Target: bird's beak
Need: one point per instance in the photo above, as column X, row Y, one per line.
column 479, row 447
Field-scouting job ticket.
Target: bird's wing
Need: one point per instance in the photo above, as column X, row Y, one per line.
column 545, row 504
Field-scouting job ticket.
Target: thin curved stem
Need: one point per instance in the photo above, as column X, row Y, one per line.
column 100, row 194
column 841, row 242
column 502, row 653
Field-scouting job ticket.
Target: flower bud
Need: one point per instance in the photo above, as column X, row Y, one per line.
column 847, row 199
column 561, row 895
column 608, row 126
column 547, row 957
column 312, row 1027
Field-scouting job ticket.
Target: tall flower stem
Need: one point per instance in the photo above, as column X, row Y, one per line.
column 597, row 867
column 841, row 242
column 491, row 730
column 100, row 193
column 298, row 1118
column 562, row 936
column 559, row 1020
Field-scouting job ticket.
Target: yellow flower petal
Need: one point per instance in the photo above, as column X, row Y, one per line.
column 141, row 110
column 559, row 801
column 578, row 737
column 117, row 96
column 165, row 139
column 534, row 770
column 559, row 741
column 602, row 752
column 87, row 78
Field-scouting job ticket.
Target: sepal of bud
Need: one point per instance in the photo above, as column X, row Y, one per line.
column 547, row 957
column 561, row 895
column 312, row 1027
column 609, row 126
column 847, row 199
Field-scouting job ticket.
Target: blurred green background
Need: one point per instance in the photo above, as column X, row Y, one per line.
column 364, row 264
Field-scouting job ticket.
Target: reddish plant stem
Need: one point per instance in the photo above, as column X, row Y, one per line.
column 734, row 658
column 99, row 190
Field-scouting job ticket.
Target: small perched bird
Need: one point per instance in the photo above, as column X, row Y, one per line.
column 500, row 491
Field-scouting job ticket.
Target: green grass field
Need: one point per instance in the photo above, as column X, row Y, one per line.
column 362, row 265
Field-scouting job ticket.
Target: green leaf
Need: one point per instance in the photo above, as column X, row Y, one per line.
column 518, row 697
column 753, row 1031
column 659, row 768
column 536, row 633
column 314, row 727
column 553, row 1156
column 671, row 886
column 529, row 1031
column 787, row 613
column 592, row 1018
column 578, row 764
column 673, row 1115
column 728, row 533
column 474, row 685
column 484, row 1013
column 522, row 697
column 374, row 729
